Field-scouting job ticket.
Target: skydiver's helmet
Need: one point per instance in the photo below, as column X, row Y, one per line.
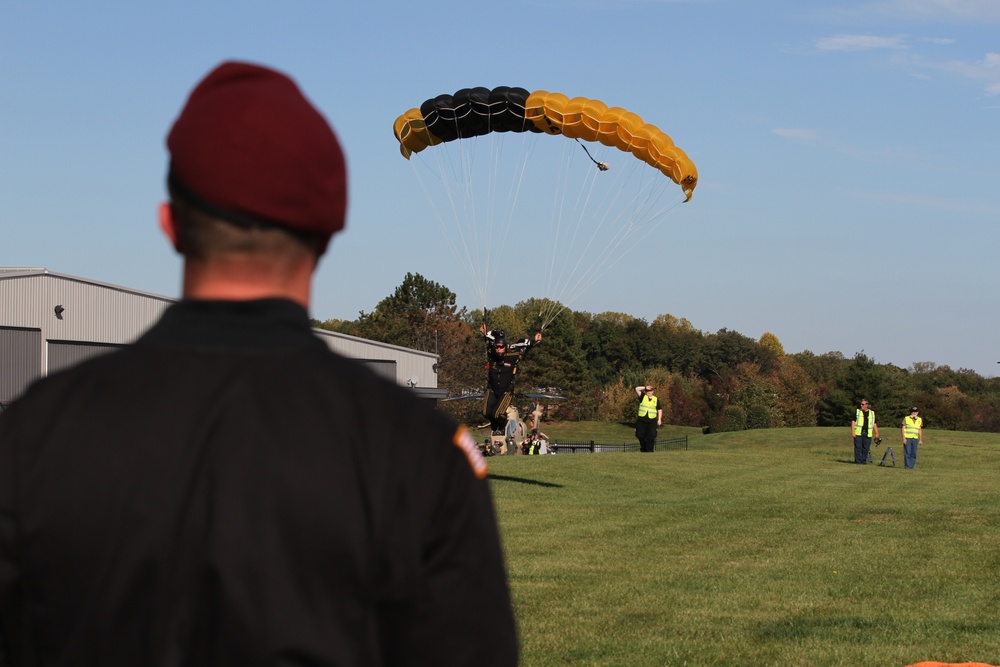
column 496, row 337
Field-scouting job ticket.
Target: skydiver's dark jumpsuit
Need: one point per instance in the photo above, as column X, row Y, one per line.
column 500, row 372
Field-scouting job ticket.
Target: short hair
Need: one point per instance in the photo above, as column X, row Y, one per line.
column 204, row 236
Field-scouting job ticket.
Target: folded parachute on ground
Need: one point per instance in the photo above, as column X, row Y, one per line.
column 473, row 112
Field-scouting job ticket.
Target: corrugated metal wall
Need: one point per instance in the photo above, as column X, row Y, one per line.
column 413, row 367
column 20, row 360
column 63, row 354
column 91, row 312
column 382, row 368
column 94, row 315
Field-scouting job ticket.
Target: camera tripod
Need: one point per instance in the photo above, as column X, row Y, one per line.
column 888, row 452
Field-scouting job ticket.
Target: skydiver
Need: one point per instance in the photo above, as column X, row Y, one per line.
column 501, row 367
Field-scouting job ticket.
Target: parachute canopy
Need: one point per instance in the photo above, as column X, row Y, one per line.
column 473, row 112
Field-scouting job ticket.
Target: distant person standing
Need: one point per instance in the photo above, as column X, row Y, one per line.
column 649, row 418
column 913, row 435
column 862, row 429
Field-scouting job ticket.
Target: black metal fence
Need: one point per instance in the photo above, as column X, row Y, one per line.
column 595, row 447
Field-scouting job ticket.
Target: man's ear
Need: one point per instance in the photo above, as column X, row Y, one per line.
column 168, row 225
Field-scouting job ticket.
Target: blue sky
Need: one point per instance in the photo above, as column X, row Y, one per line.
column 847, row 151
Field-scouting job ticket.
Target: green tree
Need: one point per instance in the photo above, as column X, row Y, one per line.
column 411, row 315
column 421, row 314
column 514, row 323
column 756, row 394
column 725, row 349
column 825, row 370
column 863, row 378
column 607, row 347
column 558, row 365
column 678, row 345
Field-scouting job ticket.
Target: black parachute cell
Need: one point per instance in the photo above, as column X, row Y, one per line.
column 473, row 112
column 508, row 106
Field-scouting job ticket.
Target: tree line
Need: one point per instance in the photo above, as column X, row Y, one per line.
column 722, row 381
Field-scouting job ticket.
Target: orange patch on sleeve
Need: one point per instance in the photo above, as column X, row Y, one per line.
column 463, row 440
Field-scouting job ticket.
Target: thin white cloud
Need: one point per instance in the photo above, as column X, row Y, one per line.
column 985, row 71
column 846, row 42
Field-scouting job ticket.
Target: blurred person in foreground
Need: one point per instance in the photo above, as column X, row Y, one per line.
column 227, row 491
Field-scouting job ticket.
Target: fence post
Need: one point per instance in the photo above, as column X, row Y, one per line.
column 592, row 449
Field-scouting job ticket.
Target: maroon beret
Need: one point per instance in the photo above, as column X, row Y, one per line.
column 249, row 143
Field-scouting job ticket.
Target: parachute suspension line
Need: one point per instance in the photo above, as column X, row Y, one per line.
column 558, row 248
column 572, row 275
column 441, row 165
column 632, row 229
column 569, row 250
column 502, row 176
column 629, row 222
column 469, row 203
column 459, row 204
column 603, row 166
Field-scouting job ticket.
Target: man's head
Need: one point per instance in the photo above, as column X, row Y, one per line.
column 914, row 412
column 249, row 150
column 864, row 404
column 499, row 341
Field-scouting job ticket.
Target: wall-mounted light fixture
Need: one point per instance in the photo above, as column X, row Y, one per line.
column 59, row 310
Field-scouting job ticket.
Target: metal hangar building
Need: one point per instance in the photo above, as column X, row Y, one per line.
column 50, row 321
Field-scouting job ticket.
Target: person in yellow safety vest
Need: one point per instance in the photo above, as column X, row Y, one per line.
column 862, row 428
column 650, row 416
column 913, row 435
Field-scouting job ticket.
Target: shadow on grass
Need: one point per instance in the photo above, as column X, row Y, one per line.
column 521, row 480
column 884, row 464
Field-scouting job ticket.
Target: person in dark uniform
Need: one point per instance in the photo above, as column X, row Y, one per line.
column 501, row 367
column 227, row 491
column 649, row 417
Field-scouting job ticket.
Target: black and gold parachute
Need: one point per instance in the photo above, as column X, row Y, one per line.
column 473, row 112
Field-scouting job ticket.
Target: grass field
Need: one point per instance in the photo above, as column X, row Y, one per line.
column 754, row 548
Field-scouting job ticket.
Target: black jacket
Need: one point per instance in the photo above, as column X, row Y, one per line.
column 501, row 368
column 229, row 492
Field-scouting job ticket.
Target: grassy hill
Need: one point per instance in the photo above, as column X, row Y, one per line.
column 755, row 548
